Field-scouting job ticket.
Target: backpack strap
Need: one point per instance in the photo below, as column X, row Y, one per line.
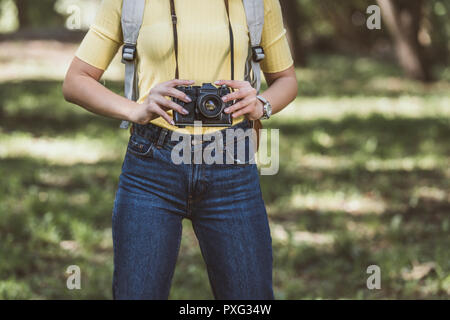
column 254, row 11
column 132, row 15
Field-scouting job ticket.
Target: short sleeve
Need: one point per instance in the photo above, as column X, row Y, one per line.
column 104, row 37
column 274, row 41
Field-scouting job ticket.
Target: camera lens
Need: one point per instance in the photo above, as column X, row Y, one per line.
column 210, row 105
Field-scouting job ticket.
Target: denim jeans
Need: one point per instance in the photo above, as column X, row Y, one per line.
column 224, row 203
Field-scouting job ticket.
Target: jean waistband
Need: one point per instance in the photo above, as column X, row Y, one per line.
column 161, row 136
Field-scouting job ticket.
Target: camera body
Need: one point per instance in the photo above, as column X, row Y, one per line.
column 206, row 106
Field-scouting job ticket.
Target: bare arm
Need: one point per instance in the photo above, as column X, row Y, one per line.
column 282, row 90
column 81, row 87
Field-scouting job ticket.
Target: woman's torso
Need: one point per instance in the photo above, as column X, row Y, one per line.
column 203, row 44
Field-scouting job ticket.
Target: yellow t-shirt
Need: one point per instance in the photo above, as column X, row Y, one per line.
column 203, row 43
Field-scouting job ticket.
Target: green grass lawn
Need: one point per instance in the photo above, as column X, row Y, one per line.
column 364, row 179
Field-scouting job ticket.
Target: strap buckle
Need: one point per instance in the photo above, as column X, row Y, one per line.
column 258, row 53
column 128, row 52
column 174, row 19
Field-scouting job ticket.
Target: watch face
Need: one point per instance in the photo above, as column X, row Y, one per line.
column 269, row 110
column 266, row 107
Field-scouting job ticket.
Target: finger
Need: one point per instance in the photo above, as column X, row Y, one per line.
column 172, row 92
column 240, row 94
column 179, row 82
column 236, row 84
column 163, row 114
column 242, row 111
column 240, row 104
column 167, row 103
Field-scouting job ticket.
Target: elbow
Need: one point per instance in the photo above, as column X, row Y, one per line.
column 295, row 83
column 295, row 90
column 67, row 89
column 78, row 77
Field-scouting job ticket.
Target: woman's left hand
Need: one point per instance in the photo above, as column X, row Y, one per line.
column 248, row 104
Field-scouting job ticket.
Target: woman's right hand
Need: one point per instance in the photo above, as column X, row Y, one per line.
column 157, row 104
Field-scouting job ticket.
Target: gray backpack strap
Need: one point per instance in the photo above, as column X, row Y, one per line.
column 254, row 11
column 132, row 15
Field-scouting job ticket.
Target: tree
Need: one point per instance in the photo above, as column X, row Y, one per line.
column 402, row 19
column 22, row 13
column 293, row 20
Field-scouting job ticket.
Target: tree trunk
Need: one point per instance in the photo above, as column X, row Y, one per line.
column 403, row 23
column 22, row 13
column 293, row 20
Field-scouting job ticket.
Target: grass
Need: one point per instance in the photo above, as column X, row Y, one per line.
column 363, row 180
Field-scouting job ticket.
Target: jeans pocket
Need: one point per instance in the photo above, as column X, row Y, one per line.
column 140, row 146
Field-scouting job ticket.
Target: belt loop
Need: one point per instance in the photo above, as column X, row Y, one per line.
column 162, row 136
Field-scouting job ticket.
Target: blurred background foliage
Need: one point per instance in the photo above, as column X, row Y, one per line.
column 364, row 151
column 417, row 31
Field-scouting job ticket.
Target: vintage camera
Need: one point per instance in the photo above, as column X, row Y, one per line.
column 206, row 106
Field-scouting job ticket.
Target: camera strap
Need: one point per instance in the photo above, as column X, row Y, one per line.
column 175, row 37
column 131, row 21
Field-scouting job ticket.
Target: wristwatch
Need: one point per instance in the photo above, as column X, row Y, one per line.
column 267, row 108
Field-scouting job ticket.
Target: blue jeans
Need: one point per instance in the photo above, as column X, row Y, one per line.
column 224, row 203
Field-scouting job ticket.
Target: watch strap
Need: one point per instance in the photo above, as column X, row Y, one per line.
column 265, row 102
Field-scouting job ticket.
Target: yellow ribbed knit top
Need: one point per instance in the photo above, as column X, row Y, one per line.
column 203, row 43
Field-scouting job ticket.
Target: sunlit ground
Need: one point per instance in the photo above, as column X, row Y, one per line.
column 364, row 179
